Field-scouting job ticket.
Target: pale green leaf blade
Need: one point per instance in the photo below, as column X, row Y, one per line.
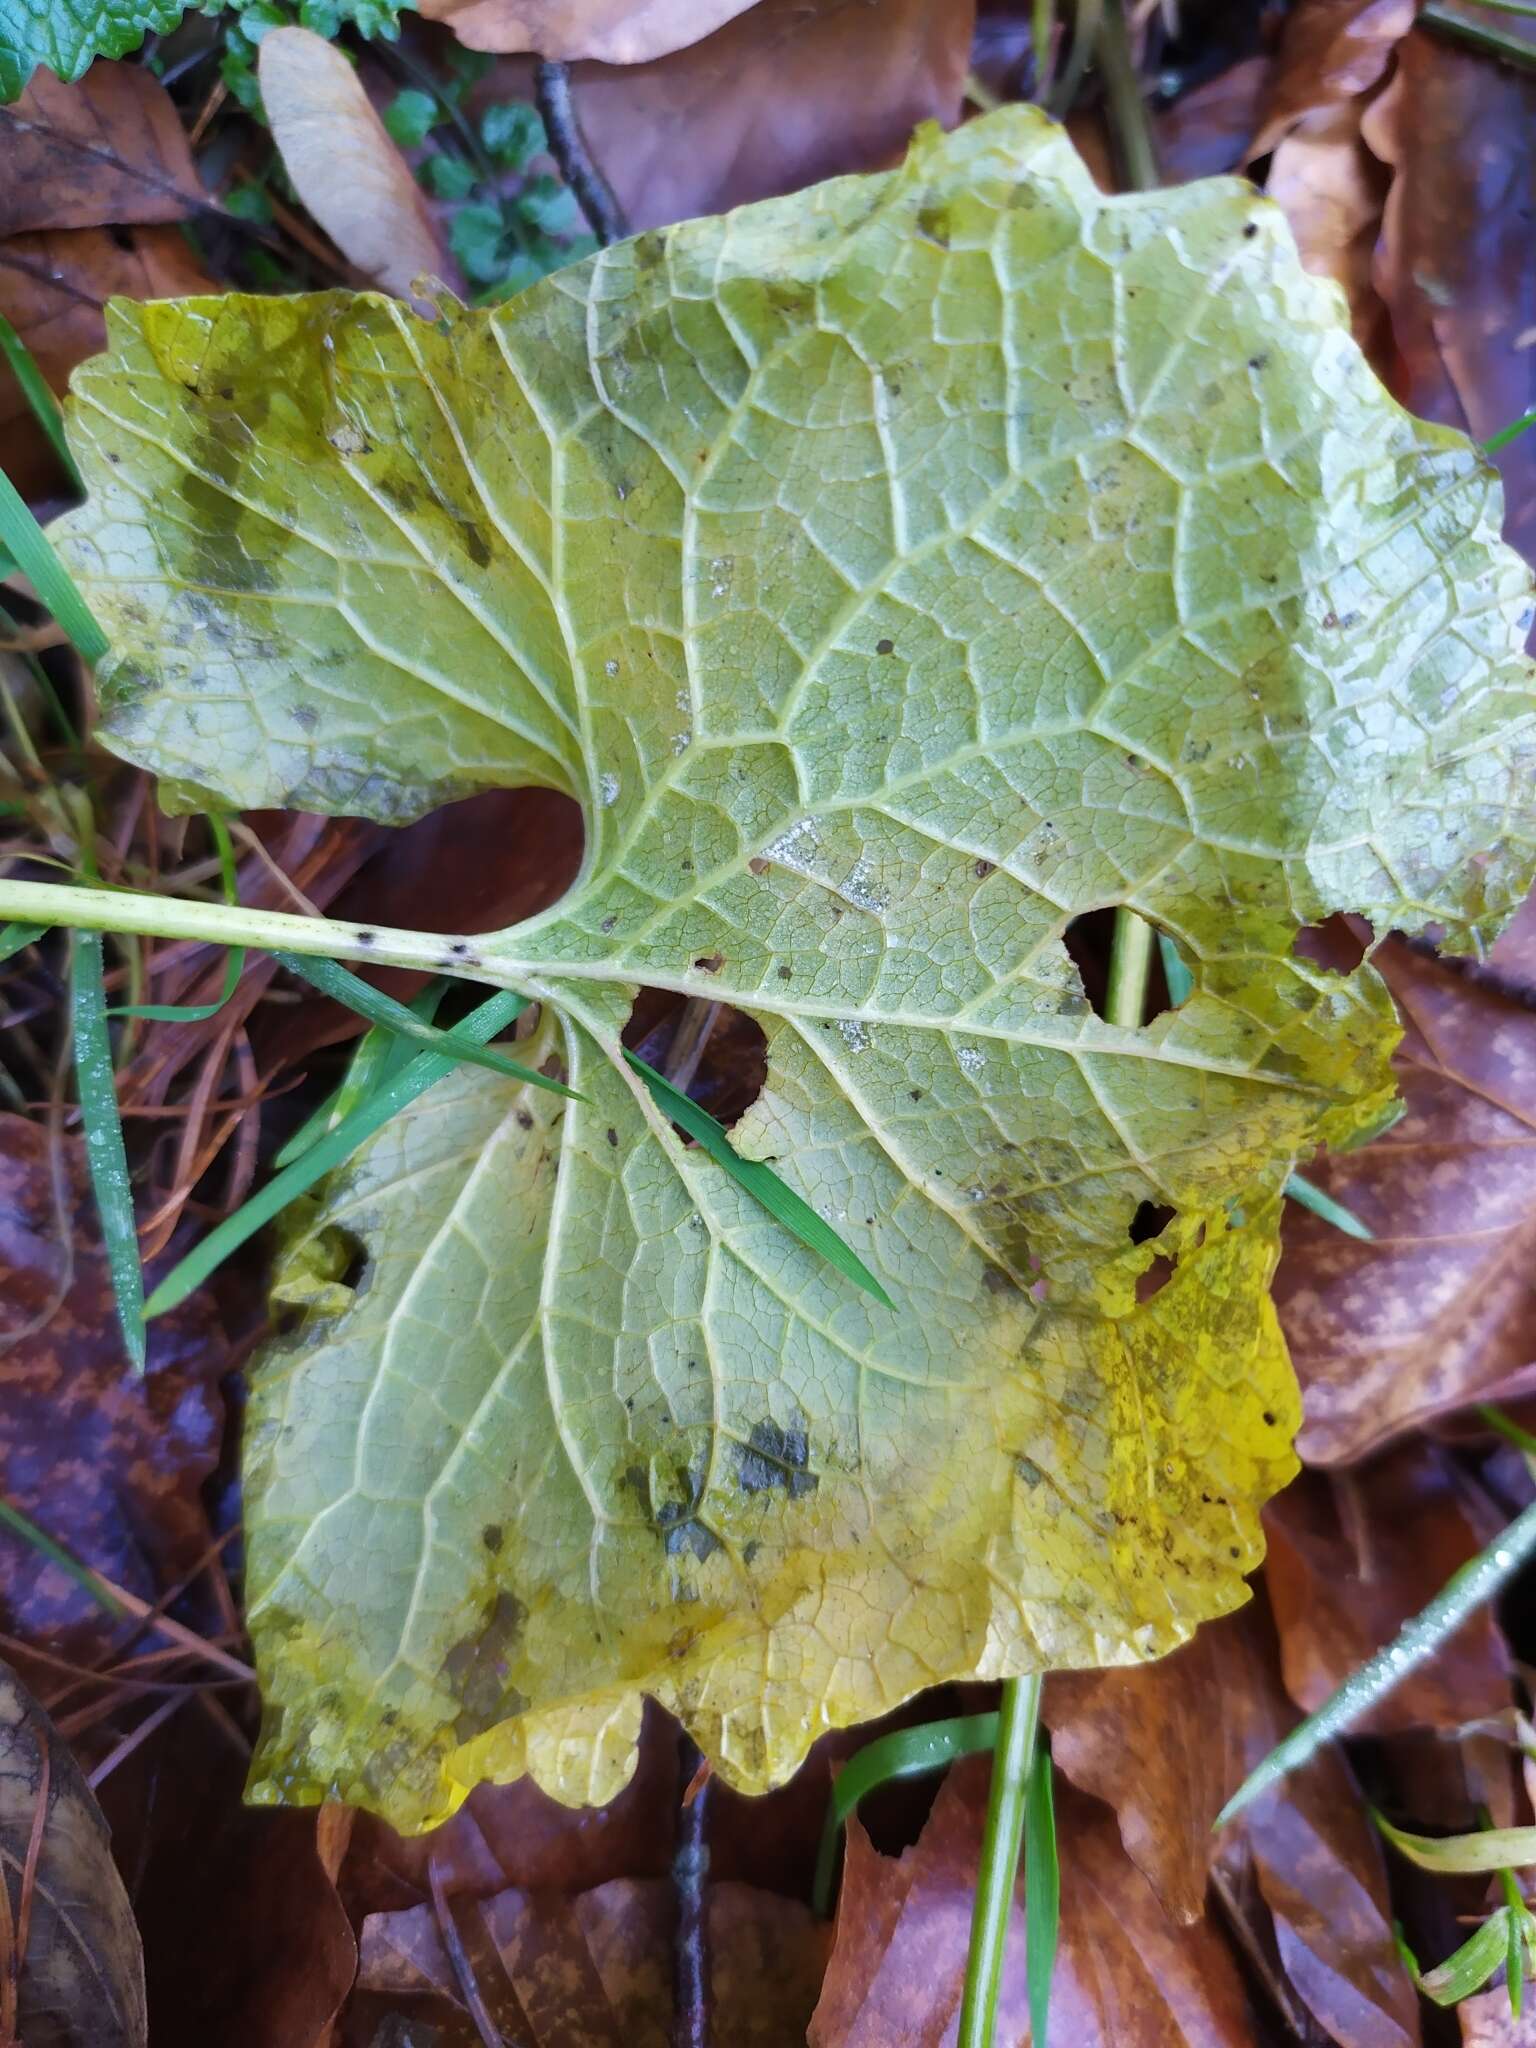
column 1456, row 1855
column 894, row 573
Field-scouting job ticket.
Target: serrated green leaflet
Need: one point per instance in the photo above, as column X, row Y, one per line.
column 894, row 573
column 69, row 35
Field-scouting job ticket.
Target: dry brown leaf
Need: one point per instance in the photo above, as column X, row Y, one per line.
column 1458, row 131
column 1332, row 190
column 1207, row 130
column 613, row 31
column 1332, row 51
column 1355, row 1554
column 595, row 1971
column 1441, row 1310
column 82, row 1971
column 53, row 288
column 1125, row 1973
column 1141, row 1740
column 1487, row 2022
column 344, row 166
column 111, row 1464
column 791, row 92
column 108, row 151
column 1164, row 1745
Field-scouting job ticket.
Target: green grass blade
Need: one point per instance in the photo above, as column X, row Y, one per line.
column 1042, row 1892
column 997, row 1872
column 349, row 989
column 234, row 961
column 1464, row 1592
column 1517, row 427
column 45, row 407
column 328, row 1152
column 23, row 1526
column 36, row 559
column 759, row 1181
column 105, row 1156
column 16, row 937
column 909, row 1753
column 1178, row 977
column 1468, row 1970
column 379, row 1053
column 1312, row 1197
column 1489, row 1849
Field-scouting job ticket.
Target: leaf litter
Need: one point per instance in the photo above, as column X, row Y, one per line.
column 1364, row 140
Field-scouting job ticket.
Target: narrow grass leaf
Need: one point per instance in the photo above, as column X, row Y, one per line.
column 379, row 1054
column 45, row 407
column 1312, row 1197
column 34, row 555
column 105, row 1156
column 909, row 1753
column 15, row 937
column 1459, row 1855
column 1042, row 1892
column 1464, row 1592
column 1469, row 1969
column 329, row 1152
column 1515, row 428
column 234, row 961
column 759, row 1181
column 341, row 986
column 23, row 1526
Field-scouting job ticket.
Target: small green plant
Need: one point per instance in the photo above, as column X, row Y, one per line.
column 243, row 23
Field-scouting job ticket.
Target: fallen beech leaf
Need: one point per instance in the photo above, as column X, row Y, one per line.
column 1313, row 1857
column 788, row 92
column 108, row 152
column 1124, row 1971
column 110, row 1464
column 246, row 1942
column 82, row 1974
column 1331, row 52
column 595, row 1971
column 614, row 31
column 344, row 166
column 1353, row 1556
column 1207, row 130
column 1440, row 1310
column 1487, row 2021
column 53, row 290
column 1143, row 1742
column 737, row 533
column 1333, row 57
column 1459, row 134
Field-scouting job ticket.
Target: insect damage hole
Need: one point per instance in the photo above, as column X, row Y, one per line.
column 719, row 1059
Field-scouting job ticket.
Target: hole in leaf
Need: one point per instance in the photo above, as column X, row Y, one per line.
column 1151, row 1220
column 1088, row 939
column 733, row 1060
column 1155, row 1278
column 1340, row 943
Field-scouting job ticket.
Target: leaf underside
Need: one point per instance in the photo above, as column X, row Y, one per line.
column 893, row 572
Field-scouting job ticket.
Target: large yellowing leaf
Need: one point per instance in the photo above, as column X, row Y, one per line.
column 894, row 572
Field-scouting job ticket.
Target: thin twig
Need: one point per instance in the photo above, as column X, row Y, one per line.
column 458, row 1957
column 568, row 147
column 691, row 2026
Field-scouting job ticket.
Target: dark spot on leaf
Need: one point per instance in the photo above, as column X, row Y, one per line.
column 492, row 1536
column 749, row 1553
column 757, row 865
column 785, row 973
column 525, row 1120
column 775, row 1457
column 996, row 1281
column 710, row 963
column 1269, row 1420
column 983, row 869
column 613, row 1136
column 366, row 938
column 608, row 924
column 1028, row 1470
column 885, row 647
column 916, row 1094
column 1258, row 362
column 1250, row 231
